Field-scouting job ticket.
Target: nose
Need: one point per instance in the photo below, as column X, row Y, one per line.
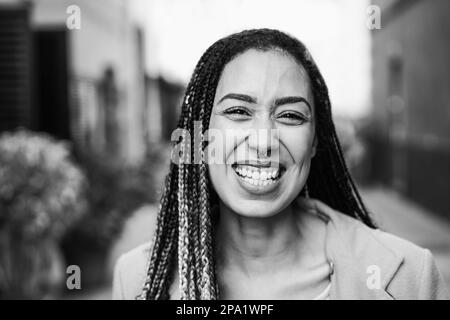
column 263, row 138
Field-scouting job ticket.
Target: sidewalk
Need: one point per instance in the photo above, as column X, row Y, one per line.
column 392, row 213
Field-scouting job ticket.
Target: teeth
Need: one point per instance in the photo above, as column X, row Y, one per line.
column 258, row 177
column 263, row 175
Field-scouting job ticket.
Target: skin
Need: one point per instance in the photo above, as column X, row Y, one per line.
column 269, row 247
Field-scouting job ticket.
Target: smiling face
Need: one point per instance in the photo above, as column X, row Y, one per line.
column 265, row 103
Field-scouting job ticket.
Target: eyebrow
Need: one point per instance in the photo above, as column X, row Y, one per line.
column 238, row 96
column 291, row 100
column 277, row 103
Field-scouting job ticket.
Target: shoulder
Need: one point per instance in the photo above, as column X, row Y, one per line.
column 409, row 270
column 418, row 276
column 130, row 271
column 397, row 245
column 361, row 237
column 380, row 244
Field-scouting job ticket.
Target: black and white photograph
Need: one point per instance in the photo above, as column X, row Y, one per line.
column 249, row 151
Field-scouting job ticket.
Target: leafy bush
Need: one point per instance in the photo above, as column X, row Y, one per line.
column 114, row 193
column 41, row 198
column 41, row 189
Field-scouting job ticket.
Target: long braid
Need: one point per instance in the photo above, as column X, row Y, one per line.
column 183, row 238
column 208, row 279
column 184, row 232
column 186, row 276
column 159, row 286
column 189, row 233
column 159, row 258
column 194, row 234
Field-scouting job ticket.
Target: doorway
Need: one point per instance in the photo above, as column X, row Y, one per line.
column 52, row 114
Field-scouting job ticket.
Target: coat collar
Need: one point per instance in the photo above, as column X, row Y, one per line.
column 358, row 256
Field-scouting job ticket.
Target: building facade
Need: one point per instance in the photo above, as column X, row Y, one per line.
column 84, row 83
column 410, row 133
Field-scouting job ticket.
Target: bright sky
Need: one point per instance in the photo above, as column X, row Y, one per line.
column 179, row 31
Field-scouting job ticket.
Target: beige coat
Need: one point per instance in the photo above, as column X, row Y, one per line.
column 368, row 264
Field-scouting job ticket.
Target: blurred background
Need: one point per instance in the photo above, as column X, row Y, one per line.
column 90, row 92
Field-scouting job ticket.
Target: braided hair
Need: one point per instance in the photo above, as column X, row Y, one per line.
column 183, row 240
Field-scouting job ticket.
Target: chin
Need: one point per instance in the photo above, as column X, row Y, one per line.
column 257, row 208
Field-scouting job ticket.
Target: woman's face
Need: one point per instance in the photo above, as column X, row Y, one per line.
column 264, row 111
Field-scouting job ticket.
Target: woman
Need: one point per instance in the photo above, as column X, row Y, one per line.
column 274, row 214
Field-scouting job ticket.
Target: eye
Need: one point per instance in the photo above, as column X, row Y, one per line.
column 291, row 118
column 237, row 113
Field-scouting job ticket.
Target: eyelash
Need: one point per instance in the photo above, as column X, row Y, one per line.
column 240, row 112
column 294, row 115
column 237, row 110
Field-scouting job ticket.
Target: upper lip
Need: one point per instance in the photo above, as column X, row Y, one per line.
column 260, row 163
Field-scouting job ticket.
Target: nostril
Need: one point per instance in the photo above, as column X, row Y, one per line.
column 265, row 153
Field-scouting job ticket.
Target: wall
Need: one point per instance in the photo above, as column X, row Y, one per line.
column 411, row 101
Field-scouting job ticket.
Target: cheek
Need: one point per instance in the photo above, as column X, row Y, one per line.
column 298, row 142
column 217, row 170
column 225, row 140
column 216, row 173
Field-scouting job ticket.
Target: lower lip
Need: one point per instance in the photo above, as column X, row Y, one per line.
column 251, row 188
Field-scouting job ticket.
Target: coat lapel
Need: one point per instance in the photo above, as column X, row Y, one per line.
column 363, row 266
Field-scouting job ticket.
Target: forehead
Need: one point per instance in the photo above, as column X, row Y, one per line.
column 264, row 73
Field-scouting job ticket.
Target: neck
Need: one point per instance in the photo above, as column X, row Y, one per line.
column 259, row 242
